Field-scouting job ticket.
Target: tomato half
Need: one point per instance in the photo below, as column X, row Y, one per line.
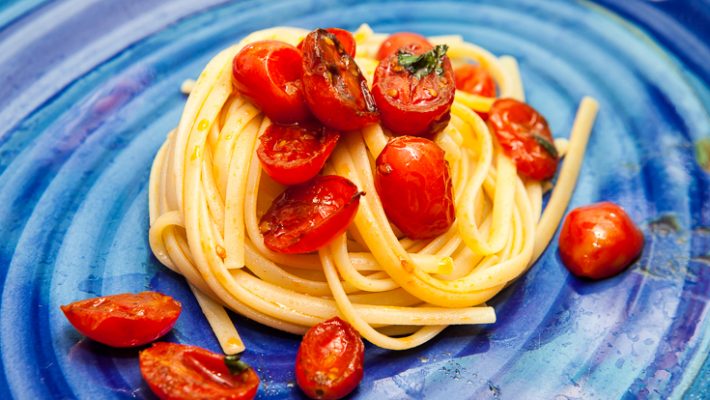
column 474, row 79
column 181, row 372
column 345, row 38
column 398, row 40
column 329, row 363
column 269, row 73
column 124, row 320
column 411, row 100
column 525, row 137
column 293, row 154
column 306, row 217
column 413, row 181
column 599, row 241
column 335, row 90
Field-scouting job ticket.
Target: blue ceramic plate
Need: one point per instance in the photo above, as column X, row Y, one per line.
column 89, row 89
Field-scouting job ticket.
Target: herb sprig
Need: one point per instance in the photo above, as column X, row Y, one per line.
column 421, row 65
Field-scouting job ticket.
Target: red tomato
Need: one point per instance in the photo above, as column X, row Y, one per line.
column 269, row 74
column 330, row 360
column 346, row 39
column 293, row 154
column 599, row 241
column 180, row 372
column 525, row 137
column 415, row 103
column 413, row 182
column 335, row 90
column 124, row 320
column 306, row 217
column 398, row 40
column 475, row 79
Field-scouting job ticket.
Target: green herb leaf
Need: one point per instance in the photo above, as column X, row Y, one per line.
column 548, row 146
column 424, row 64
column 235, row 364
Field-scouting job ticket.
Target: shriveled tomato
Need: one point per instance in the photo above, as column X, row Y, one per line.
column 124, row 320
column 293, row 154
column 335, row 90
column 401, row 39
column 181, row 372
column 474, row 79
column 306, row 217
column 413, row 182
column 414, row 91
column 269, row 73
column 329, row 363
column 525, row 137
column 599, row 240
column 345, row 38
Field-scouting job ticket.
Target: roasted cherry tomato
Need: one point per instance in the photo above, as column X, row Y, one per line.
column 413, row 182
column 336, row 91
column 398, row 40
column 345, row 38
column 414, row 91
column 474, row 79
column 306, row 217
column 330, row 360
column 525, row 137
column 293, row 154
column 181, row 372
column 124, row 320
column 269, row 74
column 599, row 241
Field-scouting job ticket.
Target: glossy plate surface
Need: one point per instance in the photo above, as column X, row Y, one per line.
column 89, row 89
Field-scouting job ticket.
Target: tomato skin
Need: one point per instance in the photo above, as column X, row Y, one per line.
column 269, row 73
column 475, row 79
column 308, row 216
column 124, row 320
column 410, row 105
column 516, row 125
column 345, row 38
column 180, row 372
column 398, row 40
column 335, row 89
column 413, row 181
column 329, row 363
column 293, row 154
column 599, row 241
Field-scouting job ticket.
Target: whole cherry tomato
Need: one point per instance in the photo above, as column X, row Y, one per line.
column 181, row 372
column 329, row 362
column 335, row 90
column 269, row 73
column 124, row 320
column 398, row 40
column 525, row 137
column 599, row 241
column 413, row 182
column 293, row 154
column 414, row 91
column 474, row 79
column 345, row 38
column 306, row 217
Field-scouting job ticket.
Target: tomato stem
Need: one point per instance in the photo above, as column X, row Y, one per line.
column 235, row 364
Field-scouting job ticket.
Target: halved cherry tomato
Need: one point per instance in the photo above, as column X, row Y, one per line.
column 124, row 320
column 413, row 182
column 345, row 38
column 525, row 137
column 599, row 241
column 269, row 73
column 306, row 217
column 411, row 100
column 293, row 154
column 474, row 79
column 181, row 372
column 329, row 363
column 398, row 40
column 335, row 90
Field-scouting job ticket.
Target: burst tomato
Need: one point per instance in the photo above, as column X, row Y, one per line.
column 346, row 39
column 335, row 90
column 269, row 73
column 398, row 40
column 475, row 79
column 525, row 137
column 181, row 372
column 329, row 363
column 599, row 241
column 413, row 182
column 306, row 217
column 124, row 320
